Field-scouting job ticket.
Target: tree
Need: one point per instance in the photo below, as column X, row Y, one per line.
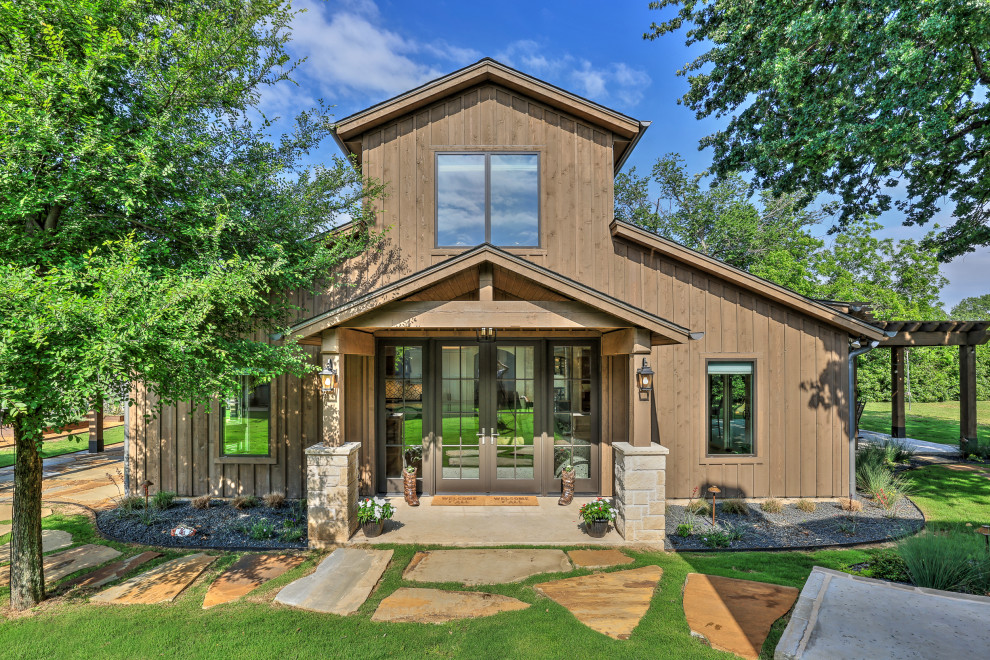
column 147, row 226
column 975, row 308
column 768, row 237
column 850, row 99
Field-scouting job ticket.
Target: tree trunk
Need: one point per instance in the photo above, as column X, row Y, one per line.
column 27, row 578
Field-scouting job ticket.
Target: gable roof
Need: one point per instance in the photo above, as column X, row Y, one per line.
column 766, row 288
column 626, row 129
column 473, row 258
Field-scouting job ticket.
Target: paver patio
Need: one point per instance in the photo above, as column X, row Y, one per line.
column 474, row 567
column 609, row 603
column 247, row 574
column 734, row 615
column 159, row 585
column 341, row 583
column 414, row 605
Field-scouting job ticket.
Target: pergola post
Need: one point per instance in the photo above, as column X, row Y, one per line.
column 898, row 413
column 96, row 428
column 967, row 397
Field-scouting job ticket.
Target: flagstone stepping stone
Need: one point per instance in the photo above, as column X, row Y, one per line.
column 60, row 564
column 474, row 567
column 609, row 603
column 111, row 572
column 51, row 540
column 7, row 512
column 159, row 585
column 247, row 574
column 734, row 615
column 340, row 584
column 415, row 605
column 599, row 558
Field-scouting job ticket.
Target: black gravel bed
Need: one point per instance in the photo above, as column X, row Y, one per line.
column 218, row 527
column 827, row 525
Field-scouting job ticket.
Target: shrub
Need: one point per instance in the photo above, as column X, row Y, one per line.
column 242, row 502
column 291, row 534
column 735, row 506
column 879, row 480
column 274, row 499
column 132, row 503
column 849, row 504
column 697, row 507
column 163, row 499
column 201, row 502
column 772, row 505
column 952, row 561
column 734, row 532
column 887, row 564
column 716, row 538
column 596, row 510
column 685, row 529
column 260, row 530
column 808, row 506
column 849, row 525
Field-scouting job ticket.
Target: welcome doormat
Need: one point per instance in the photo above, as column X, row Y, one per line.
column 485, row 500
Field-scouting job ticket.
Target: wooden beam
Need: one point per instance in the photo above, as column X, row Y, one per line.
column 937, row 338
column 486, row 283
column 476, row 314
column 898, row 414
column 626, row 341
column 967, row 398
column 348, row 342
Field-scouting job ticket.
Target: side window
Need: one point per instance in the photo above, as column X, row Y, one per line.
column 246, row 418
column 731, row 405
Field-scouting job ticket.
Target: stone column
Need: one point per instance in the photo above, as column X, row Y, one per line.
column 640, row 492
column 332, row 492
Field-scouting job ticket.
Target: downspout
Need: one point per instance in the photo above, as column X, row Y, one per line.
column 852, row 411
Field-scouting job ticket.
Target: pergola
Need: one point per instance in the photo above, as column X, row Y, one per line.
column 967, row 335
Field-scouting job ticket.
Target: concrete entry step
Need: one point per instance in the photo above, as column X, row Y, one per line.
column 341, row 583
column 474, row 567
column 159, row 585
column 247, row 574
column 414, row 605
column 734, row 615
column 609, row 603
column 847, row 616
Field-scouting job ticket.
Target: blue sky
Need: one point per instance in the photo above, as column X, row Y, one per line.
column 361, row 52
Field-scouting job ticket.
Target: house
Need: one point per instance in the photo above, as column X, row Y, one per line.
column 504, row 328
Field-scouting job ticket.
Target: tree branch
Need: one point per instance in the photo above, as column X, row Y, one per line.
column 978, row 63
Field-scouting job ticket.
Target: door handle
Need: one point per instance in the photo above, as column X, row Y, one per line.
column 482, row 435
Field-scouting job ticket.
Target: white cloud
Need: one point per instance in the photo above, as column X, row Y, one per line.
column 612, row 82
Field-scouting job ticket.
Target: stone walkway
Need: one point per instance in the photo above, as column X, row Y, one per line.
column 341, row 583
column 410, row 605
column 919, row 447
column 247, row 574
column 159, row 585
column 847, row 616
column 476, row 567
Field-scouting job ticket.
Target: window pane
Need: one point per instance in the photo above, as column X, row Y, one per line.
column 730, row 398
column 515, row 202
column 245, row 418
column 460, row 199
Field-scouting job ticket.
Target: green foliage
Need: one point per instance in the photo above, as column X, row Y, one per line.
column 242, row 502
column 716, row 538
column 950, row 560
column 597, row 509
column 131, row 504
column 881, row 483
column 973, row 308
column 736, row 507
column 772, row 505
column 685, row 529
column 849, row 99
column 698, row 507
column 163, row 499
column 887, row 564
column 808, row 506
column 260, row 530
column 374, row 510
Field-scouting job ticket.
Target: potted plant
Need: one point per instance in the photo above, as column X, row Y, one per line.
column 372, row 514
column 597, row 515
column 566, row 484
column 413, row 456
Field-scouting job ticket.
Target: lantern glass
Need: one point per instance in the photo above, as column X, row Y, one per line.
column 328, row 377
column 644, row 377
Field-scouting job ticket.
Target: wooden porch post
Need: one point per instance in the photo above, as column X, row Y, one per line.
column 967, row 397
column 634, row 343
column 96, row 428
column 898, row 422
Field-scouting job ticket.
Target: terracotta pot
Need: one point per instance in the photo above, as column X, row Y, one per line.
column 409, row 488
column 566, row 487
column 373, row 529
column 597, row 528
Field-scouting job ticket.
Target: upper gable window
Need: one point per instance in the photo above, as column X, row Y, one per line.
column 488, row 197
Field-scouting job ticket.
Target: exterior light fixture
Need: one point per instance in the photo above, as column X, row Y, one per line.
column 328, row 377
column 644, row 378
column 714, row 490
column 486, row 334
column 985, row 530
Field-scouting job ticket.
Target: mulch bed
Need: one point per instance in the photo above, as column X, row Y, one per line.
column 827, row 525
column 220, row 526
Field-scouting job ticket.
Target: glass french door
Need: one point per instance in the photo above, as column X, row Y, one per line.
column 489, row 423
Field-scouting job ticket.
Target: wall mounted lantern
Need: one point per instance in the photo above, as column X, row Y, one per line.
column 644, row 378
column 328, row 377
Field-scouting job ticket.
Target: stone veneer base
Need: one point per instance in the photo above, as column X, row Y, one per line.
column 640, row 492
column 332, row 493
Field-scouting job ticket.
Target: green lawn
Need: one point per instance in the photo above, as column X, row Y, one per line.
column 951, row 498
column 935, row 422
column 75, row 442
